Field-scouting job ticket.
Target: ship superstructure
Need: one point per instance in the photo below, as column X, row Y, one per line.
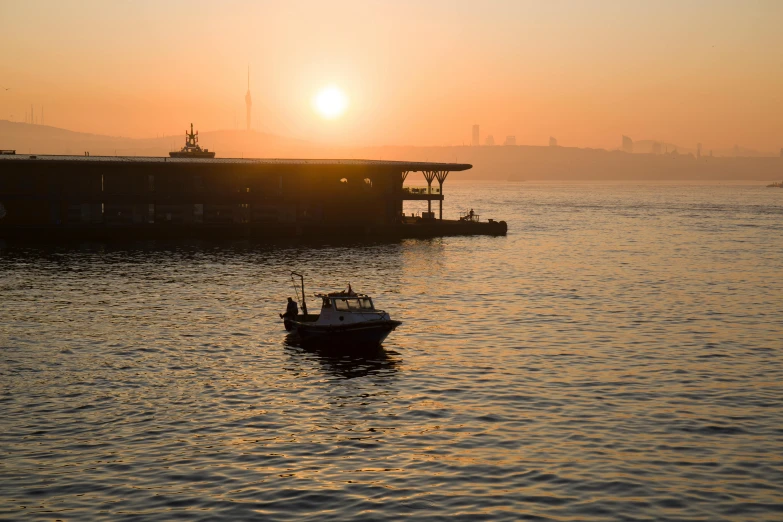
column 192, row 149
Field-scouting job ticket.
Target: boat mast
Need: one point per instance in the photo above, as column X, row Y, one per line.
column 304, row 303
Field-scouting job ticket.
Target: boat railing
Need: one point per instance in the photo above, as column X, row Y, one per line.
column 421, row 190
column 469, row 216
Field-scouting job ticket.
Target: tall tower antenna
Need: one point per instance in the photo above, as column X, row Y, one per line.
column 248, row 101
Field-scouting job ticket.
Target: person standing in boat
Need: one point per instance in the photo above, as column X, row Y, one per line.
column 291, row 311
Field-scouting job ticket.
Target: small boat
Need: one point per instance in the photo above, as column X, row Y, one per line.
column 347, row 320
column 192, row 149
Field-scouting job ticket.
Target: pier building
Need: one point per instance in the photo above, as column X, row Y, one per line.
column 108, row 197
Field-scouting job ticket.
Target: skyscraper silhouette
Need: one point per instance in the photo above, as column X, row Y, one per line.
column 476, row 141
column 627, row 144
column 248, row 101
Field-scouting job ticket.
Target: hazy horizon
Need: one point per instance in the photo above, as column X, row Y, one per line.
column 48, row 139
column 413, row 74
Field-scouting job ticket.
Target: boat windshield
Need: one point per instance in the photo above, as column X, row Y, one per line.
column 353, row 304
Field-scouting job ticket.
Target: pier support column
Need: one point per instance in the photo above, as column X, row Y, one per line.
column 429, row 175
column 441, row 175
column 401, row 209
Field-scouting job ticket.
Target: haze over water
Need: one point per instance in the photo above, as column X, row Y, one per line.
column 616, row 356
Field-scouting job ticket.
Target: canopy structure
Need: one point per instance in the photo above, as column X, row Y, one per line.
column 431, row 172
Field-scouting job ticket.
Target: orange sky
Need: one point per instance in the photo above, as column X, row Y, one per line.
column 416, row 72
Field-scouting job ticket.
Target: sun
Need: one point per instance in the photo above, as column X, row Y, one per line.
column 330, row 102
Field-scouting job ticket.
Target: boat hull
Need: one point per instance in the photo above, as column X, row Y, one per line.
column 369, row 334
column 200, row 154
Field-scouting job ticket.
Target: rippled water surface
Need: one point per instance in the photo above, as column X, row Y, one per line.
column 616, row 356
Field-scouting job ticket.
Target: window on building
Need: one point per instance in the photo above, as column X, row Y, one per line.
column 151, row 212
column 151, row 183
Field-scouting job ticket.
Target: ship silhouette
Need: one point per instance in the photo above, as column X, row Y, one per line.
column 192, row 149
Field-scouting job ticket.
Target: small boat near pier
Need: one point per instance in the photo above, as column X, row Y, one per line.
column 347, row 320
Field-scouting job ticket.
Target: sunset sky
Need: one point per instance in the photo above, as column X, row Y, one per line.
column 413, row 72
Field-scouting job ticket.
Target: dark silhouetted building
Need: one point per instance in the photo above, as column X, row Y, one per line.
column 511, row 141
column 627, row 144
column 656, row 147
column 552, row 142
column 106, row 197
column 698, row 150
column 476, row 141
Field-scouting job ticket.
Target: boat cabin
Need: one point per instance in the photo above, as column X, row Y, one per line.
column 347, row 308
column 347, row 303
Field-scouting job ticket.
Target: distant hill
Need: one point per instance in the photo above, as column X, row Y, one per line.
column 497, row 163
column 228, row 143
column 646, row 147
column 528, row 163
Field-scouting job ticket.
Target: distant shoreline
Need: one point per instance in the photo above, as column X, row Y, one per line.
column 522, row 163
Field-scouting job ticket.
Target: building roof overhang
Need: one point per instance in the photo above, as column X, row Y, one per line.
column 410, row 166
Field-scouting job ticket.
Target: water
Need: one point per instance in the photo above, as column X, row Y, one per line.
column 616, row 356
